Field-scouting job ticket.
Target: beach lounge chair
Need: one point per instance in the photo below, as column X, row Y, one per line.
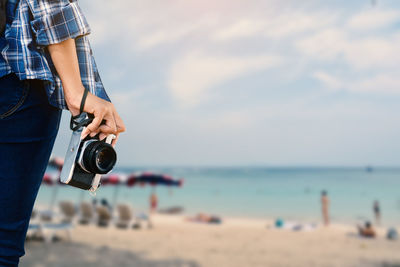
column 86, row 213
column 68, row 211
column 46, row 215
column 125, row 216
column 103, row 216
column 34, row 214
column 140, row 219
column 48, row 231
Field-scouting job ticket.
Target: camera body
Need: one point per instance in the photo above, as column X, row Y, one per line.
column 87, row 159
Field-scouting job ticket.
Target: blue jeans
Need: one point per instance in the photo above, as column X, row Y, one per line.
column 28, row 128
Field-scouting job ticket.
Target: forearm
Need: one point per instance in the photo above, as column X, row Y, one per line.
column 65, row 60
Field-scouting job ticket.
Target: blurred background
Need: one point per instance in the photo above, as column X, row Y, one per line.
column 242, row 112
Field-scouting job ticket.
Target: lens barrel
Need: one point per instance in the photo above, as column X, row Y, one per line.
column 99, row 157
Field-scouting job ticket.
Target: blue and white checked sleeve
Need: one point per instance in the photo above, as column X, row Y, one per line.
column 57, row 21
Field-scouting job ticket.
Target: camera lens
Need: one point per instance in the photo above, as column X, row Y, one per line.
column 105, row 158
column 99, row 157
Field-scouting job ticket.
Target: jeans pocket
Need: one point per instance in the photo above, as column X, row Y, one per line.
column 13, row 93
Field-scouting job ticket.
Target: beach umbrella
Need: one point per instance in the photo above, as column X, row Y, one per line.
column 48, row 179
column 152, row 179
column 111, row 179
column 56, row 162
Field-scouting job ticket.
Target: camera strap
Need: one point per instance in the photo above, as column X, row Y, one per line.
column 76, row 121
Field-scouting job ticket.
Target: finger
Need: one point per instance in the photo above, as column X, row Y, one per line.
column 94, row 125
column 105, row 129
column 110, row 122
column 102, row 136
column 120, row 124
column 84, row 133
column 93, row 134
column 87, row 132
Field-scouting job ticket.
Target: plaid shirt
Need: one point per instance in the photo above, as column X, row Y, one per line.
column 34, row 24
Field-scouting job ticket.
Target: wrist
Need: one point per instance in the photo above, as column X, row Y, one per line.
column 73, row 96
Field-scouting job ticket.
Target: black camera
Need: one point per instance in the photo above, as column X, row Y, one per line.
column 87, row 159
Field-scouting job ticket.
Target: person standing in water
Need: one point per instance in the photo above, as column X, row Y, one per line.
column 153, row 202
column 153, row 208
column 325, row 207
column 377, row 212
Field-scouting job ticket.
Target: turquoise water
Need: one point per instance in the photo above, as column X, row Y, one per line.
column 291, row 193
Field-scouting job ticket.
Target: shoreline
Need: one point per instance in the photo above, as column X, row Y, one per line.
column 292, row 218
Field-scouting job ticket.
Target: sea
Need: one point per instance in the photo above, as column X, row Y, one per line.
column 290, row 193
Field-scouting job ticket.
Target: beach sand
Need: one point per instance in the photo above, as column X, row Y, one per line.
column 235, row 243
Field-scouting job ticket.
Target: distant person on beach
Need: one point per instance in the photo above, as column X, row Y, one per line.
column 46, row 65
column 377, row 212
column 204, row 218
column 325, row 207
column 153, row 202
column 367, row 230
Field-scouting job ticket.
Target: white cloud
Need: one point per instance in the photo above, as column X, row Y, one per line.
column 274, row 26
column 316, row 33
column 163, row 37
column 335, row 45
column 240, row 29
column 373, row 53
column 386, row 83
column 169, row 33
column 374, row 19
column 327, row 44
column 328, row 80
column 293, row 22
column 192, row 76
column 381, row 83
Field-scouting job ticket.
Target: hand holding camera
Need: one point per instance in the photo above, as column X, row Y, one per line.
column 102, row 110
column 90, row 152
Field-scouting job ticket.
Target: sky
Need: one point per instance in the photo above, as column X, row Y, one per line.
column 249, row 82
